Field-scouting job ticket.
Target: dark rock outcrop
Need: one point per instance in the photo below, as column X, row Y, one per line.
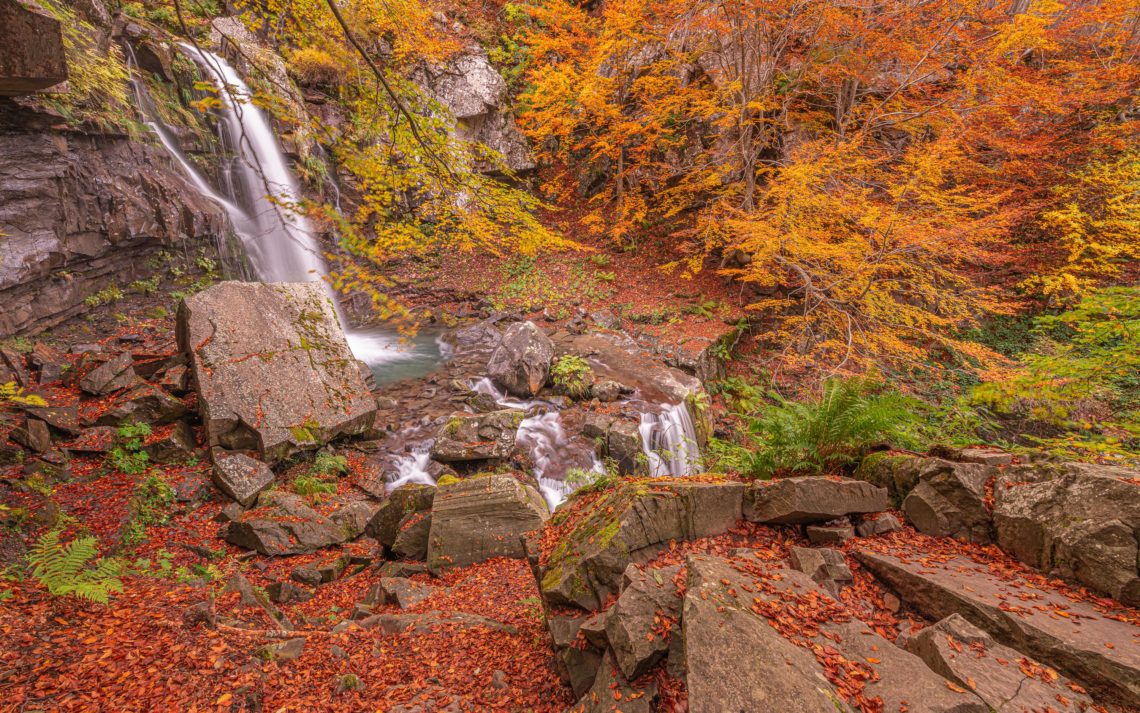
column 32, row 55
column 949, row 500
column 82, row 213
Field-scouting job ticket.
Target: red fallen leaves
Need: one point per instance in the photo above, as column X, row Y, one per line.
column 137, row 654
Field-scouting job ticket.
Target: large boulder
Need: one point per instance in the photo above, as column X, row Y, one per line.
column 1002, row 677
column 794, row 501
column 480, row 518
column 949, row 500
column 744, row 652
column 1070, row 636
column 1077, row 520
column 284, row 524
column 272, row 369
column 473, row 437
column 521, row 362
column 629, row 523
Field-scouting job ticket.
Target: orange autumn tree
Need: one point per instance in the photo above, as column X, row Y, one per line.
column 867, row 166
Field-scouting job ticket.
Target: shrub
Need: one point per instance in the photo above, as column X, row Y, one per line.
column 128, row 455
column 315, row 67
column 329, row 464
column 827, row 435
column 74, row 569
column 573, row 376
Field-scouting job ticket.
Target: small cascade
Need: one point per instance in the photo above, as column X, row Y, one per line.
column 670, row 441
column 412, row 468
column 543, row 437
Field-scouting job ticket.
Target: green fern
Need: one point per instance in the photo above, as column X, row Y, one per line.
column 828, row 435
column 75, row 569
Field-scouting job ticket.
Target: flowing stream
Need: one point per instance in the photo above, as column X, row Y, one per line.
column 261, row 198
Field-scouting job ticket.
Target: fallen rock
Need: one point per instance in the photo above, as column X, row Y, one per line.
column 412, row 536
column 794, row 501
column 283, row 524
column 614, row 693
column 878, row 524
column 271, row 367
column 63, row 419
column 1074, row 644
column 353, row 518
column 404, row 500
column 473, row 437
column 631, row 523
column 290, row 650
column 480, row 518
column 404, row 593
column 577, row 665
column 827, row 568
column 1007, row 681
column 835, row 532
column 632, row 625
column 737, row 661
column 985, row 455
column 323, row 571
column 144, row 403
column 116, row 373
column 288, row 593
column 897, row 473
column 33, row 435
column 949, row 501
column 1079, row 521
column 173, row 444
column 240, row 477
column 521, row 362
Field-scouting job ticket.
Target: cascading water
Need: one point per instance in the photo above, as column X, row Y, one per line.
column 412, row 468
column 278, row 240
column 670, row 441
column 542, row 435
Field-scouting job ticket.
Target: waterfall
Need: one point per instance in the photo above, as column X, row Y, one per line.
column 670, row 441
column 279, row 240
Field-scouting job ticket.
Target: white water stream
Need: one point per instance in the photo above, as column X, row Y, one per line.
column 282, row 247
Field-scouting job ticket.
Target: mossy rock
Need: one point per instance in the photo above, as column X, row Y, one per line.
column 630, row 522
column 896, row 472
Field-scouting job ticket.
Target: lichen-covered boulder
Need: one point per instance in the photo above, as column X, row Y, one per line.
column 796, row 501
column 271, row 367
column 284, row 524
column 1078, row 520
column 949, row 500
column 521, row 362
column 485, row 436
column 479, row 518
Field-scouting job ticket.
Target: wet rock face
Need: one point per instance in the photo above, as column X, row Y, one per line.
column 521, row 362
column 81, row 213
column 272, row 369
